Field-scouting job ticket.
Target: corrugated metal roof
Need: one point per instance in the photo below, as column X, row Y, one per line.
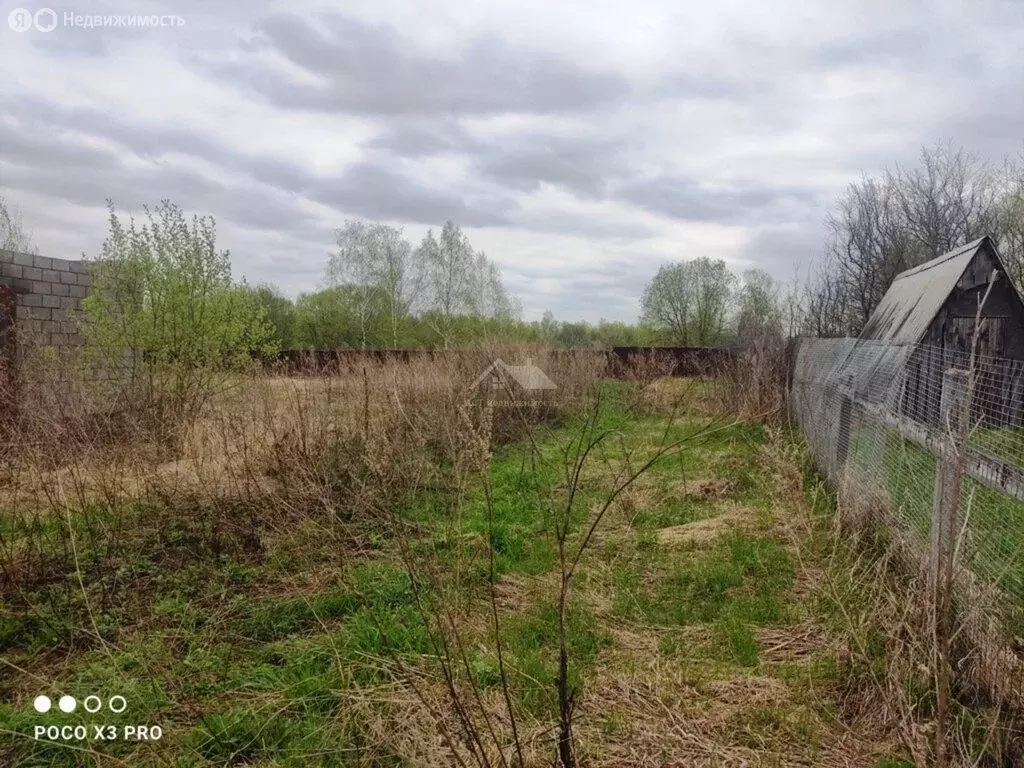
column 916, row 296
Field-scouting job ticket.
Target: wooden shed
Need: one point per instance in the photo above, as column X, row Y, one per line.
column 933, row 307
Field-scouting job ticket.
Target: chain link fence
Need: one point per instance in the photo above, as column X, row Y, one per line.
column 881, row 423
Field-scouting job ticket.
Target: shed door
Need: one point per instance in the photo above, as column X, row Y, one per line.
column 991, row 342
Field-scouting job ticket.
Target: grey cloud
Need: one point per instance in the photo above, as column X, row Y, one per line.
column 522, row 161
column 688, row 200
column 405, row 138
column 784, row 252
column 376, row 191
column 372, row 69
column 54, row 162
column 21, row 146
column 368, row 189
column 574, row 163
column 146, row 141
column 606, row 290
column 581, row 224
column 131, row 190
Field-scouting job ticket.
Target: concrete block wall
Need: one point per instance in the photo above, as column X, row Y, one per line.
column 48, row 297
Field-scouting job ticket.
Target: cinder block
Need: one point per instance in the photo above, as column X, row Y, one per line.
column 59, row 289
column 61, row 265
column 51, row 301
column 42, row 262
column 58, row 339
column 78, row 267
column 68, row 303
column 32, row 273
column 69, row 327
column 10, row 270
column 78, row 291
column 23, row 259
column 51, row 275
column 65, row 277
column 83, row 279
column 38, row 313
column 31, row 300
column 38, row 286
column 21, row 286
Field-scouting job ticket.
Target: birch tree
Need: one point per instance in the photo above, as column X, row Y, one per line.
column 379, row 264
column 460, row 282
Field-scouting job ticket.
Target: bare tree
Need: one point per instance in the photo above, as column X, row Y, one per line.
column 1009, row 227
column 887, row 224
column 13, row 236
column 949, row 199
column 870, row 244
column 827, row 304
column 759, row 307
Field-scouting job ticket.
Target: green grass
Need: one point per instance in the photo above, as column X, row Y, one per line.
column 283, row 651
column 995, row 547
column 738, row 579
column 1005, row 442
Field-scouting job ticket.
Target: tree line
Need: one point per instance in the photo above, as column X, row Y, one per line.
column 381, row 291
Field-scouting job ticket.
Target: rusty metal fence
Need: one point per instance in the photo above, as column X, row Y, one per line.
column 888, row 425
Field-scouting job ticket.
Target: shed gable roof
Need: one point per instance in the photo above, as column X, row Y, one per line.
column 916, row 295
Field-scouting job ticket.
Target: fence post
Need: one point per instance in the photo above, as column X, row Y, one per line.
column 944, row 503
column 844, row 430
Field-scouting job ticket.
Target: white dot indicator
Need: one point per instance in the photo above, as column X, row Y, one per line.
column 42, row 703
column 67, row 703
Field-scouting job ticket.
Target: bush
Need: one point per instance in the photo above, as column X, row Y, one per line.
column 165, row 324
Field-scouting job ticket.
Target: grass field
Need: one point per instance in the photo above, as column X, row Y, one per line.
column 308, row 635
column 994, row 539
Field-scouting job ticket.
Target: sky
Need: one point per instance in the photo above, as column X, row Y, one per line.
column 579, row 144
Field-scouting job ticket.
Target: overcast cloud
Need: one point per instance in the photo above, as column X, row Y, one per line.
column 579, row 144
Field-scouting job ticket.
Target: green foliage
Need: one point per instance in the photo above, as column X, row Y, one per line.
column 165, row 322
column 280, row 313
column 689, row 301
column 331, row 319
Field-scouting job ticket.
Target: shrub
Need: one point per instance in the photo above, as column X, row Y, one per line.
column 166, row 325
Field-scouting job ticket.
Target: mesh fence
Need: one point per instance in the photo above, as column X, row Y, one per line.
column 880, row 422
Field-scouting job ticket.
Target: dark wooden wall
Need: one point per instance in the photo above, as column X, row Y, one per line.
column 999, row 391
